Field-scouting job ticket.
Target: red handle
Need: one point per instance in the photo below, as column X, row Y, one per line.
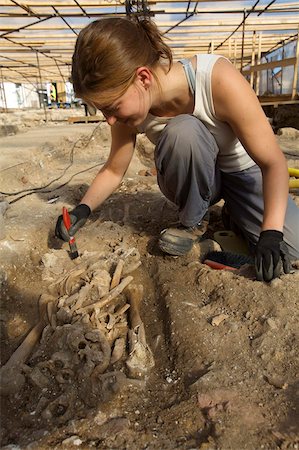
column 66, row 218
column 217, row 265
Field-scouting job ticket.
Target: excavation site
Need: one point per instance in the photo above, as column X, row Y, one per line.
column 125, row 347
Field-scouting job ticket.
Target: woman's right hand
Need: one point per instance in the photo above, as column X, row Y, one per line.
column 78, row 216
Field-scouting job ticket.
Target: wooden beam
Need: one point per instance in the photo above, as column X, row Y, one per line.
column 270, row 65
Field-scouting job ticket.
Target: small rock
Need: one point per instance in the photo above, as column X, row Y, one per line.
column 73, row 440
column 216, row 321
column 100, row 418
column 276, row 382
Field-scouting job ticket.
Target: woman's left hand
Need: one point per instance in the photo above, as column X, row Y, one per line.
column 270, row 251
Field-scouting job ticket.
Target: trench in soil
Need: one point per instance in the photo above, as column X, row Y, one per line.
column 144, row 407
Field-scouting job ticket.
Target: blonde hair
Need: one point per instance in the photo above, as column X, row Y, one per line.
column 108, row 52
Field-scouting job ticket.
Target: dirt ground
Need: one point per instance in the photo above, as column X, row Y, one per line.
column 225, row 346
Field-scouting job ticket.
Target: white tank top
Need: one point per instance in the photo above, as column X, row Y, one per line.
column 232, row 155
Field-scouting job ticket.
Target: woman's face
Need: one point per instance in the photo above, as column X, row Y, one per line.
column 132, row 107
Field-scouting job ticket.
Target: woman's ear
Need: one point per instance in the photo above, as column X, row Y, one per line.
column 145, row 76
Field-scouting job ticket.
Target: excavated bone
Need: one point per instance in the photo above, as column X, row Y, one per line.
column 22, row 353
column 119, row 330
column 118, row 350
column 94, row 336
column 109, row 297
column 111, row 321
column 131, row 261
column 69, row 283
column 85, row 319
column 74, row 281
column 75, row 339
column 70, row 300
column 140, row 360
column 64, row 315
column 131, row 267
column 65, row 376
column 38, row 378
column 117, row 274
column 101, row 356
column 81, row 297
column 51, row 313
column 61, row 409
column 43, row 302
column 101, row 279
column 61, row 301
column 46, row 368
column 61, row 360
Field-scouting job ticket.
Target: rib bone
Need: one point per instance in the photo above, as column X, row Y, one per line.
column 107, row 298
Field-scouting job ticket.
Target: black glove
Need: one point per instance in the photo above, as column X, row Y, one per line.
column 269, row 252
column 78, row 217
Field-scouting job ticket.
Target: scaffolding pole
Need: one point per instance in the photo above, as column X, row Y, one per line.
column 41, row 88
column 3, row 96
column 294, row 89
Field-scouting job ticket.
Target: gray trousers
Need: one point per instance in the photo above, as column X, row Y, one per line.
column 187, row 172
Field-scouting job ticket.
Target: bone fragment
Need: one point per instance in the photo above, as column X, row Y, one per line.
column 118, row 350
column 122, row 310
column 11, row 379
column 43, row 302
column 51, row 315
column 107, row 298
column 81, row 297
column 217, row 320
column 117, row 274
column 131, row 268
column 22, row 353
column 140, row 360
column 135, row 294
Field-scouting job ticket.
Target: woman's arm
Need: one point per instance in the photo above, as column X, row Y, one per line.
column 112, row 173
column 236, row 103
column 106, row 181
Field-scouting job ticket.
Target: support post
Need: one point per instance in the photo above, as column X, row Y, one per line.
column 243, row 39
column 295, row 78
column 41, row 88
column 252, row 74
column 258, row 74
column 3, row 95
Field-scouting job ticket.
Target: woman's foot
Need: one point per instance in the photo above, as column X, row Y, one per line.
column 179, row 240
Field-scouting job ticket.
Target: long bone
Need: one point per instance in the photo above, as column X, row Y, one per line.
column 107, row 298
column 117, row 274
column 140, row 360
column 11, row 371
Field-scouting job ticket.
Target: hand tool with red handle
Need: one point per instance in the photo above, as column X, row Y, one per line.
column 72, row 243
